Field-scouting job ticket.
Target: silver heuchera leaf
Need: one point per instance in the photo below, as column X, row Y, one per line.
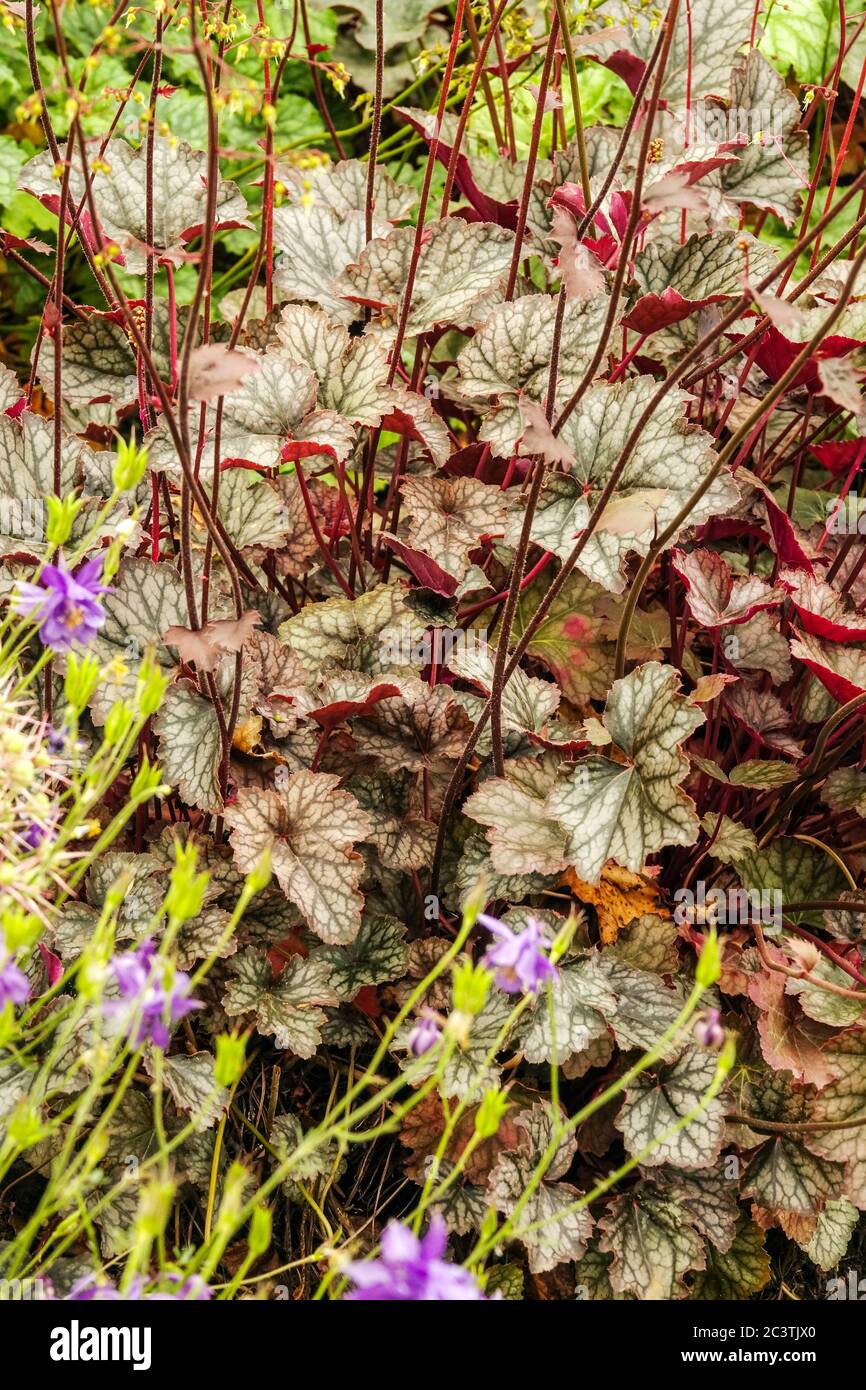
column 377, row 954
column 251, row 510
column 351, row 372
column 738, row 1272
column 730, row 840
column 772, row 171
column 509, row 356
column 670, row 460
column 275, row 405
column 645, row 1006
column 708, row 1196
column 309, row 826
column 179, row 198
column 561, row 1233
column 99, row 358
column 367, row 634
column 475, row 863
column 844, row 1100
column 27, row 459
column 654, row 1104
column 652, row 1244
column 422, row 729
column 191, row 1083
column 15, row 1083
column 449, row 516
column 704, row 48
column 271, row 417
column 314, row 247
column 840, row 667
column 443, row 292
column 468, row 1070
column 769, row 721
column 834, row 1228
column 705, row 268
column 581, row 1002
column 342, row 187
column 286, row 1135
column 189, row 746
column 627, row 810
column 98, row 363
column 402, row 838
column 758, row 645
column 786, row 1178
column 463, row 1206
column 718, row 598
column 523, row 837
column 527, row 702
column 145, row 600
column 10, row 389
column 402, row 20
column 790, row 1174
column 288, row 1008
column 198, row 938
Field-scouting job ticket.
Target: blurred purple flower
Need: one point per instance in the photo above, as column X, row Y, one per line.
column 518, row 958
column 192, row 1289
column 14, row 984
column 411, row 1270
column 154, row 995
column 424, row 1035
column 66, row 605
column 708, row 1029
column 55, row 738
column 85, row 1290
column 36, row 833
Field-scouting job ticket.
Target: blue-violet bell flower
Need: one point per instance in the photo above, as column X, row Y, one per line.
column 709, row 1031
column 518, row 958
column 191, row 1289
column 411, row 1269
column 154, row 995
column 14, row 984
column 424, row 1035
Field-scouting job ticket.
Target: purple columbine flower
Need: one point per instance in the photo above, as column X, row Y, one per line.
column 709, row 1031
column 14, row 984
column 154, row 995
column 425, row 1034
column 66, row 604
column 518, row 958
column 410, row 1270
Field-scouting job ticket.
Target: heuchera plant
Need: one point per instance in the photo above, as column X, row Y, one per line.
column 434, row 649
